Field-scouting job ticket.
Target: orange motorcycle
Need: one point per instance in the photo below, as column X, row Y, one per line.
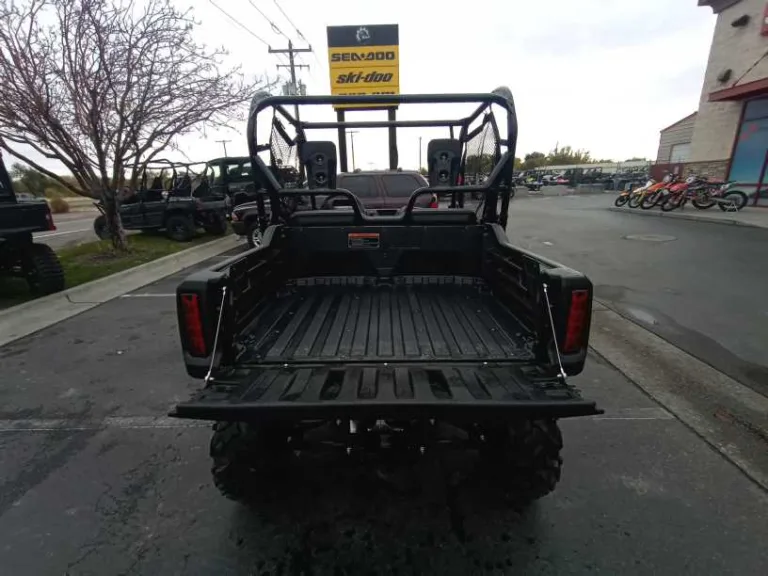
column 657, row 193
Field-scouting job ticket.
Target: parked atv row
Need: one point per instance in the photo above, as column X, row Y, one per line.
column 180, row 198
column 673, row 193
column 176, row 203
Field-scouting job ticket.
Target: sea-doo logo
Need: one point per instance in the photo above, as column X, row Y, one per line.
column 366, row 56
column 362, row 35
column 357, row 77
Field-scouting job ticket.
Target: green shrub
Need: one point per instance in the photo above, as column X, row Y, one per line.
column 55, row 192
column 59, row 206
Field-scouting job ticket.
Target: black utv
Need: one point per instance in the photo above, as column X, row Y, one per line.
column 179, row 205
column 383, row 340
column 19, row 254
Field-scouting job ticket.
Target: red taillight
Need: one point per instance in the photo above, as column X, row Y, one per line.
column 577, row 321
column 49, row 220
column 193, row 325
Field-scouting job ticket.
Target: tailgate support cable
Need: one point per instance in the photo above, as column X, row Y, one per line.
column 216, row 335
column 554, row 334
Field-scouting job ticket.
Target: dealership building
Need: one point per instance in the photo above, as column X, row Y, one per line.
column 727, row 137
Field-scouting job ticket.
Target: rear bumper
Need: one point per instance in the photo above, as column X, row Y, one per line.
column 457, row 392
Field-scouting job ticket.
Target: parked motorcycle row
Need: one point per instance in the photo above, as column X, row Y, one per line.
column 673, row 193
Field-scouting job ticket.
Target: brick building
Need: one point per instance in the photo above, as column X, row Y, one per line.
column 728, row 136
column 675, row 141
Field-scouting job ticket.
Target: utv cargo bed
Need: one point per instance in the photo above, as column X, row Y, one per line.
column 324, row 348
column 410, row 321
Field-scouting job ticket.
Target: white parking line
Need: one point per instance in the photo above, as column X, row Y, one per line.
column 159, row 422
column 52, row 234
column 652, row 413
column 121, row 422
column 148, row 295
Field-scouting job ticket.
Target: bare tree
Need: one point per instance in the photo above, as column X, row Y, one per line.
column 104, row 86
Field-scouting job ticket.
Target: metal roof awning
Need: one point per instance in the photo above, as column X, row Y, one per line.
column 679, row 122
column 741, row 92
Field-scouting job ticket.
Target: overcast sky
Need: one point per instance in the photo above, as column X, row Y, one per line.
column 603, row 75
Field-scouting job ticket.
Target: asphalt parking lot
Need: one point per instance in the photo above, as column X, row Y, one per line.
column 95, row 480
column 695, row 284
column 71, row 229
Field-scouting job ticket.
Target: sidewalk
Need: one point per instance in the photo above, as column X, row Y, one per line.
column 750, row 216
column 29, row 317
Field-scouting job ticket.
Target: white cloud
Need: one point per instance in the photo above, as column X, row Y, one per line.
column 604, row 75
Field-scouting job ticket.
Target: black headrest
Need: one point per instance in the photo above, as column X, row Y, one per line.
column 184, row 184
column 451, row 217
column 157, row 183
column 322, row 218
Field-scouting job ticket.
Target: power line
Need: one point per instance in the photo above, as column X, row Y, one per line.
column 280, row 57
column 238, row 23
column 296, row 28
column 290, row 22
column 275, row 29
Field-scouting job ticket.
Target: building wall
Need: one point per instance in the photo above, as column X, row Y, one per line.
column 737, row 49
column 680, row 133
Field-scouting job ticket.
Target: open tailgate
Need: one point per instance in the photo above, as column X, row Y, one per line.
column 454, row 391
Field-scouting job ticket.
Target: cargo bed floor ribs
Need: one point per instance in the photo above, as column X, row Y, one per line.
column 385, row 323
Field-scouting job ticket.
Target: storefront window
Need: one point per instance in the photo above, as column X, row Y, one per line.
column 752, row 144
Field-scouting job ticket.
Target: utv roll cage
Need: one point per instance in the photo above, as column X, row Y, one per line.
column 477, row 143
column 162, row 178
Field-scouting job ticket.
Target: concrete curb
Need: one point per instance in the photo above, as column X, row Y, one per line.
column 32, row 316
column 679, row 216
column 730, row 416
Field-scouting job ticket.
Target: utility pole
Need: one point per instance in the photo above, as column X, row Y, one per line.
column 292, row 66
column 352, row 138
column 420, row 154
column 224, row 143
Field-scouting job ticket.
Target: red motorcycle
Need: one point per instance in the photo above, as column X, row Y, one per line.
column 677, row 195
column 704, row 194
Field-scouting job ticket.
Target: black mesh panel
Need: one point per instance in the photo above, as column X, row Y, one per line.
column 481, row 151
column 282, row 146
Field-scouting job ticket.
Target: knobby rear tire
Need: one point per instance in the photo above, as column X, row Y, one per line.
column 100, row 227
column 650, row 200
column 738, row 200
column 245, row 460
column 703, row 202
column 180, row 227
column 43, row 270
column 527, row 460
column 672, row 202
